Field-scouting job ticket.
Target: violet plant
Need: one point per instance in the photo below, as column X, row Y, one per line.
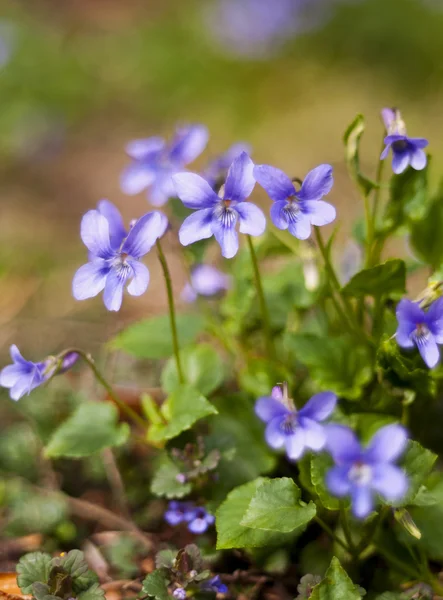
column 295, row 418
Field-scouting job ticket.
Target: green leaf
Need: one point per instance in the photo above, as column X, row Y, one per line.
column 320, row 464
column 75, row 564
column 429, row 520
column 426, row 239
column 152, row 338
column 231, row 533
column 203, row 367
column 417, row 463
column 337, row 364
column 165, row 558
column 181, row 410
column 351, row 139
column 156, row 585
column 387, row 279
column 31, row 568
column 409, row 198
column 95, row 592
column 276, row 506
column 41, row 591
column 165, row 483
column 92, row 427
column 36, row 512
column 336, row 585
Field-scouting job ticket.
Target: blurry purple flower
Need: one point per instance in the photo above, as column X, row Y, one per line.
column 178, row 512
column 216, row 585
column 295, row 430
column 421, row 329
column 179, row 593
column 197, row 518
column 23, row 375
column 298, row 210
column 68, row 362
column 155, row 161
column 113, row 258
column 405, row 150
column 219, row 215
column 217, row 170
column 206, row 280
column 362, row 472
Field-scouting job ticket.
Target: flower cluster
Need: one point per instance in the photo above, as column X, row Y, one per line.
column 196, row 518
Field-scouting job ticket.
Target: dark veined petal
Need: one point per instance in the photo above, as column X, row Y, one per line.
column 113, row 294
column 315, row 435
column 240, row 180
column 117, row 231
column 319, row 407
column 387, row 444
column 362, row 501
column 275, row 438
column 276, row 183
column 189, row 142
column 320, row 212
column 136, row 178
column 342, row 443
column 389, row 481
column 418, row 159
column 434, row 320
column 226, row 236
column 278, row 215
column 266, row 409
column 317, row 183
column 194, row 191
column 400, row 161
column 94, row 231
column 428, row 349
column 409, row 312
column 196, row 227
column 295, row 444
column 337, row 481
column 90, row 279
column 252, row 219
column 145, row 148
column 140, row 280
column 144, row 234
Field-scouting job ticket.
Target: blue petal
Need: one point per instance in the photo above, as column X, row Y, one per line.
column 189, row 142
column 10, row 374
column 388, row 116
column 266, row 409
column 90, row 279
column 428, row 349
column 140, row 281
column 409, row 313
column 94, row 231
column 278, row 214
column 144, row 234
column 240, row 180
column 295, row 444
column 418, row 159
column 337, row 481
column 362, row 501
column 320, row 212
column 198, row 526
column 434, row 320
column 400, row 161
column 196, row 227
column 227, row 237
column 22, row 386
column 275, row 438
column 162, row 189
column 16, row 355
column 389, row 481
column 117, row 231
column 404, row 333
column 418, row 142
column 385, row 152
column 342, row 443
column 143, row 149
column 113, row 294
column 317, row 183
column 194, row 191
column 314, row 433
column 252, row 219
column 276, row 183
column 319, row 407
column 301, row 227
column 207, row 280
column 137, row 177
column 387, row 444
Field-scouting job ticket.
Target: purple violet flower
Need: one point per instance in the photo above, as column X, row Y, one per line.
column 206, row 280
column 217, row 170
column 216, row 585
column 298, row 210
column 218, row 215
column 178, row 512
column 294, row 429
column 422, row 329
column 155, row 161
column 114, row 256
column 405, row 150
column 363, row 472
column 197, row 518
column 179, row 593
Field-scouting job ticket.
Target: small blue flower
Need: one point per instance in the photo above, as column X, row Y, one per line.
column 421, row 329
column 298, row 210
column 199, row 520
column 196, row 517
column 206, row 280
column 155, row 161
column 218, row 216
column 217, row 170
column 292, row 429
column 23, row 375
column 178, row 512
column 363, row 472
column 405, row 150
column 216, row 585
column 179, row 593
column 114, row 255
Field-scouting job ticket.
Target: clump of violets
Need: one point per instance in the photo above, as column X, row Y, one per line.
column 405, row 150
column 197, row 519
column 219, row 215
column 205, row 280
column 114, row 254
column 421, row 329
column 154, row 161
column 292, row 429
column 362, row 472
column 23, row 375
column 295, row 210
column 216, row 171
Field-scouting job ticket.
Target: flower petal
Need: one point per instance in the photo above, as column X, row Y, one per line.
column 240, row 180
column 301, row 228
column 317, row 183
column 162, row 189
column 196, row 227
column 315, row 435
column 385, row 152
column 140, row 281
column 295, row 444
column 419, row 142
column 428, row 349
column 400, row 161
column 362, row 501
column 320, row 212
column 194, row 191
column 387, row 444
column 10, row 374
column 117, row 231
column 90, row 279
column 142, row 148
column 275, row 438
column 113, row 294
column 408, row 312
column 403, row 335
column 252, row 219
column 144, row 234
column 278, row 214
column 94, row 231
column 207, row 280
column 22, row 386
column 137, row 177
column 319, row 407
column 434, row 320
column 226, row 236
column 388, row 116
column 418, row 159
column 276, row 183
column 188, row 293
column 189, row 142
column 342, row 443
column 266, row 409
column 16, row 355
column 389, row 481
column 337, row 481
column 198, row 526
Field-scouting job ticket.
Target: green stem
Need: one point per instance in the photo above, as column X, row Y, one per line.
column 167, row 276
column 261, row 298
column 398, row 564
column 377, row 191
column 331, row 534
column 347, row 530
column 101, row 379
column 369, row 230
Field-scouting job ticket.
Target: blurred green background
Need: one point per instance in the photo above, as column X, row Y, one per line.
column 86, row 76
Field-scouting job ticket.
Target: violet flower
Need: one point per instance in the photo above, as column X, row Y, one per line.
column 298, row 210
column 216, row 585
column 155, row 161
column 363, row 472
column 296, row 430
column 405, row 150
column 199, row 520
column 422, row 329
column 206, row 280
column 114, row 257
column 196, row 517
column 216, row 171
column 218, row 215
column 179, row 593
